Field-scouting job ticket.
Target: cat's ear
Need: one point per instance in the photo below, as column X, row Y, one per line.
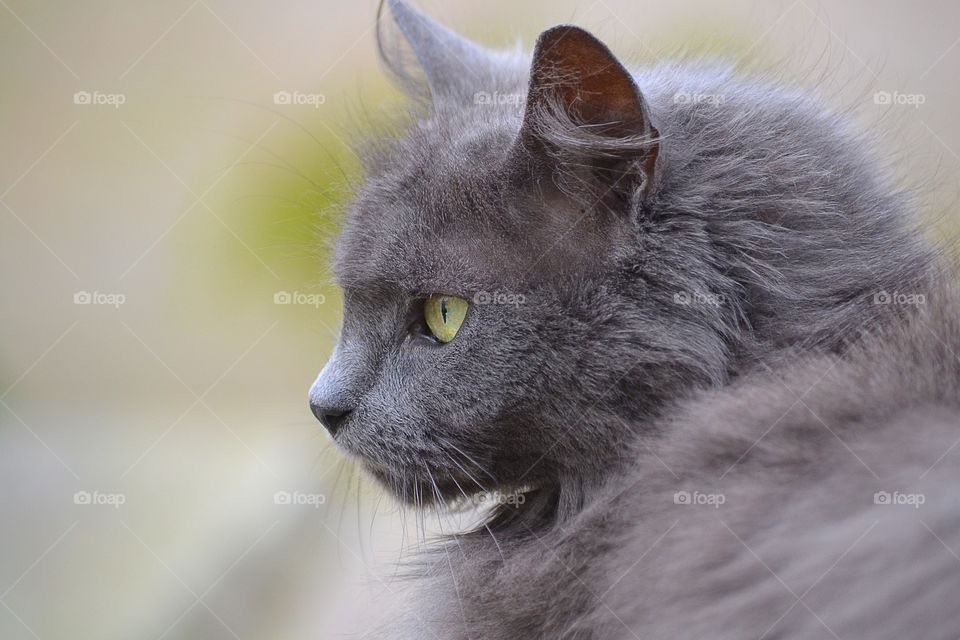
column 585, row 119
column 452, row 67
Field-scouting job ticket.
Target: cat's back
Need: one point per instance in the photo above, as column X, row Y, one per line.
column 815, row 500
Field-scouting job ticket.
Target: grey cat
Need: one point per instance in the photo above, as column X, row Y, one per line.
column 682, row 318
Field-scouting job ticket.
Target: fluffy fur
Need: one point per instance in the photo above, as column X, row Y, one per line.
column 799, row 547
column 726, row 299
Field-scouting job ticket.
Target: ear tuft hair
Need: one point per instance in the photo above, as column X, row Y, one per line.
column 431, row 61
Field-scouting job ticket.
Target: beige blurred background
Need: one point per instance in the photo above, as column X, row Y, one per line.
column 165, row 304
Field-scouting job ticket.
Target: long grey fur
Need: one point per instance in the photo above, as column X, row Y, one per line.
column 705, row 394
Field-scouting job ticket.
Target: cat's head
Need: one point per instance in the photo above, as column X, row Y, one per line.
column 550, row 253
column 525, row 193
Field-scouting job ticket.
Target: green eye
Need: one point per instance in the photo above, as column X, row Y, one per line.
column 444, row 315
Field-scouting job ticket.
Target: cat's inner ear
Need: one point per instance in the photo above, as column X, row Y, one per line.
column 444, row 67
column 583, row 107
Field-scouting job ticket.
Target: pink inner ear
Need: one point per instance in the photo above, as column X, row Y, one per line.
column 572, row 65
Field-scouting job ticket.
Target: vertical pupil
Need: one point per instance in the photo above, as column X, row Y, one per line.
column 443, row 310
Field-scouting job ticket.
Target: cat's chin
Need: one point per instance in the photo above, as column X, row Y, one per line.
column 420, row 489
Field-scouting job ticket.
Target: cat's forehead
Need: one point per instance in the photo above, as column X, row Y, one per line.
column 445, row 210
column 438, row 213
column 428, row 246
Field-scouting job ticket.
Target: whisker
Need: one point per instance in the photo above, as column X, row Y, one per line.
column 469, row 459
column 356, row 472
column 469, row 475
column 373, row 517
column 456, row 588
column 483, row 522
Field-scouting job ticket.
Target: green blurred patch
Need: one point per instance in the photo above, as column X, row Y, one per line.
column 279, row 210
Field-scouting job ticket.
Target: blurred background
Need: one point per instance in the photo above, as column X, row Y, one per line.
column 170, row 174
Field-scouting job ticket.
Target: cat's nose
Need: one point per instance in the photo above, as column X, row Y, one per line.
column 329, row 416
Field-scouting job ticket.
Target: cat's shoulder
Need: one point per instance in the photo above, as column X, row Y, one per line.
column 912, row 361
